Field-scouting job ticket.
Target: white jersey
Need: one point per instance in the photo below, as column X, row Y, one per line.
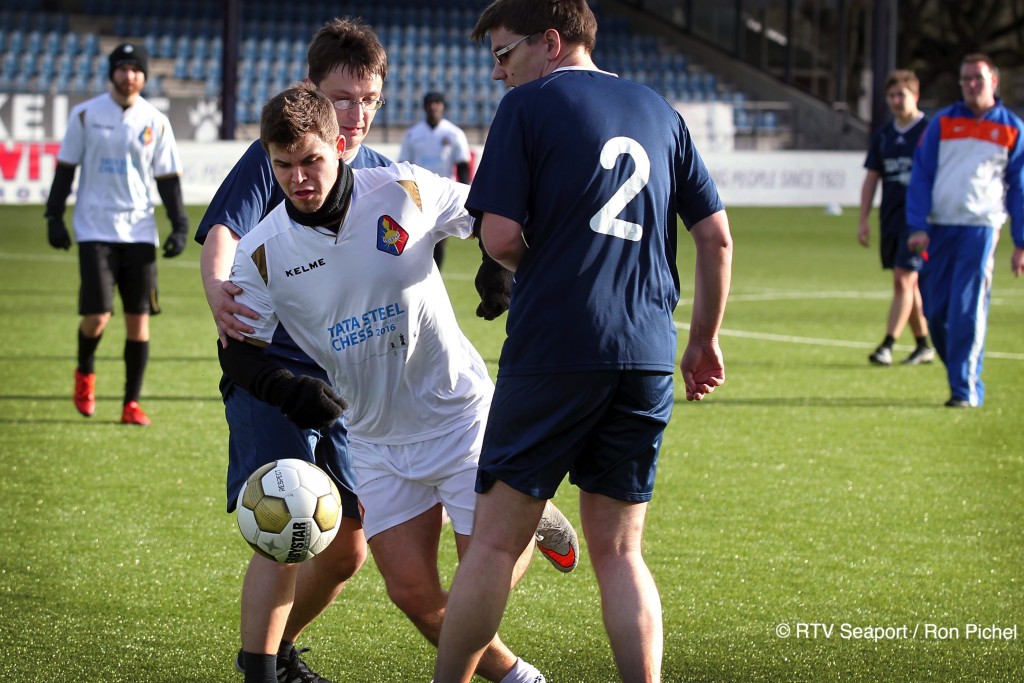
column 120, row 152
column 369, row 305
column 436, row 149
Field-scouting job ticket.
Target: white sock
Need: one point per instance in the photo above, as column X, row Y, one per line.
column 523, row 672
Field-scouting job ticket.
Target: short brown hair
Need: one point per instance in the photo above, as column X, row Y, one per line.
column 976, row 57
column 346, row 43
column 293, row 113
column 905, row 78
column 573, row 19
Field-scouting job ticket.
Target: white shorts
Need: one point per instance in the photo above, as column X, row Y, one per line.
column 397, row 483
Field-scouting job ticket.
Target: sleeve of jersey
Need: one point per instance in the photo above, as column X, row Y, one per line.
column 1015, row 189
column 696, row 193
column 255, row 295
column 167, row 159
column 449, row 203
column 873, row 161
column 243, row 198
column 922, row 178
column 72, row 148
column 502, row 181
column 460, row 150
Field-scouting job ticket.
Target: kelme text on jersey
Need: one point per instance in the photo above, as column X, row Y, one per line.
column 299, row 270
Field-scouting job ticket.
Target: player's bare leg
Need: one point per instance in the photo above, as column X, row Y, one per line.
column 503, row 527
column 322, row 578
column 630, row 604
column 407, row 558
column 268, row 592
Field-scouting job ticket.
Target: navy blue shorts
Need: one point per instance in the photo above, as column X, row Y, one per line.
column 260, row 433
column 895, row 252
column 603, row 429
column 129, row 266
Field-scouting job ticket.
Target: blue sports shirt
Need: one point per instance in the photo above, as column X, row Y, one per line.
column 247, row 194
column 891, row 155
column 596, row 170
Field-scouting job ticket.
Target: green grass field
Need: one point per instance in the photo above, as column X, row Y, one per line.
column 812, row 488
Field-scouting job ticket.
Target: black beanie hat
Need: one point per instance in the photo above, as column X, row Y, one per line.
column 127, row 53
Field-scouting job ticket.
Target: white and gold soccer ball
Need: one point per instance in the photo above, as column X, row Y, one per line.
column 289, row 510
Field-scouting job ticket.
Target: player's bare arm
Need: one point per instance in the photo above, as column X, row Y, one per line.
column 503, row 239
column 215, row 267
column 702, row 364
column 867, row 198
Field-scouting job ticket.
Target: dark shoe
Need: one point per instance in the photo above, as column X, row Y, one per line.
column 881, row 356
column 920, row 356
column 957, row 403
column 290, row 668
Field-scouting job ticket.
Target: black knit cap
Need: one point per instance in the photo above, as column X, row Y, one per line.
column 127, row 53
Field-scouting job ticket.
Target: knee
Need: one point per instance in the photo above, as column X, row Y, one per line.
column 343, row 559
column 417, row 600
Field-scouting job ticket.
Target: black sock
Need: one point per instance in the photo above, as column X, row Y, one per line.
column 285, row 647
column 87, row 352
column 259, row 668
column 888, row 341
column 922, row 342
column 136, row 356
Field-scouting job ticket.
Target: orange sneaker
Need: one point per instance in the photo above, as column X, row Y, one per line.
column 85, row 392
column 133, row 415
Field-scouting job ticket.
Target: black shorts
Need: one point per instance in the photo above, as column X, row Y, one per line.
column 129, row 266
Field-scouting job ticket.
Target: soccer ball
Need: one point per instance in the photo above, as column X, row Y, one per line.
column 289, row 510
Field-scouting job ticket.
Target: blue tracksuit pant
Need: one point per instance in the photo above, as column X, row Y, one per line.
column 956, row 285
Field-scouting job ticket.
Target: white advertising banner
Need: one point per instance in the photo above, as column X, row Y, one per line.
column 743, row 178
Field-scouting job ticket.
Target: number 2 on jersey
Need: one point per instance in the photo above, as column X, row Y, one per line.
column 605, row 221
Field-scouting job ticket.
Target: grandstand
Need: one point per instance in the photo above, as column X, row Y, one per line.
column 60, row 48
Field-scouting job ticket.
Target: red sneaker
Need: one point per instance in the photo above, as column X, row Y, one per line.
column 133, row 415
column 85, row 392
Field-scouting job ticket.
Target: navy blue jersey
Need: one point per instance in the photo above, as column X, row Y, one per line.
column 248, row 194
column 891, row 155
column 596, row 170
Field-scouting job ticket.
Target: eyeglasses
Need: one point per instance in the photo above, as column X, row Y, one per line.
column 365, row 105
column 499, row 54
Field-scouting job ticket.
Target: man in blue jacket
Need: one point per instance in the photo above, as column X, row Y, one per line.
column 967, row 176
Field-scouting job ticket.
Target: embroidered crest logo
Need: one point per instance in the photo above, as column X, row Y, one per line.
column 146, row 136
column 391, row 237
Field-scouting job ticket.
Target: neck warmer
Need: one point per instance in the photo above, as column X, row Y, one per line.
column 335, row 206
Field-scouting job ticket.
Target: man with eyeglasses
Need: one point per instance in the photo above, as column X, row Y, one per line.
column 967, row 177
column 578, row 191
column 348, row 63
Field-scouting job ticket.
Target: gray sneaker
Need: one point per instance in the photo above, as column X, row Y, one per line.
column 881, row 356
column 920, row 355
column 557, row 540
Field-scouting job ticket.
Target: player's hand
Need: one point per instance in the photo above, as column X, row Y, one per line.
column 864, row 234
column 1017, row 261
column 175, row 244
column 57, row 233
column 918, row 242
column 311, row 404
column 703, row 369
column 220, row 295
column 494, row 285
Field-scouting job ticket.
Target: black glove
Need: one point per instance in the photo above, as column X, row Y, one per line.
column 494, row 285
column 310, row 403
column 57, row 233
column 175, row 244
